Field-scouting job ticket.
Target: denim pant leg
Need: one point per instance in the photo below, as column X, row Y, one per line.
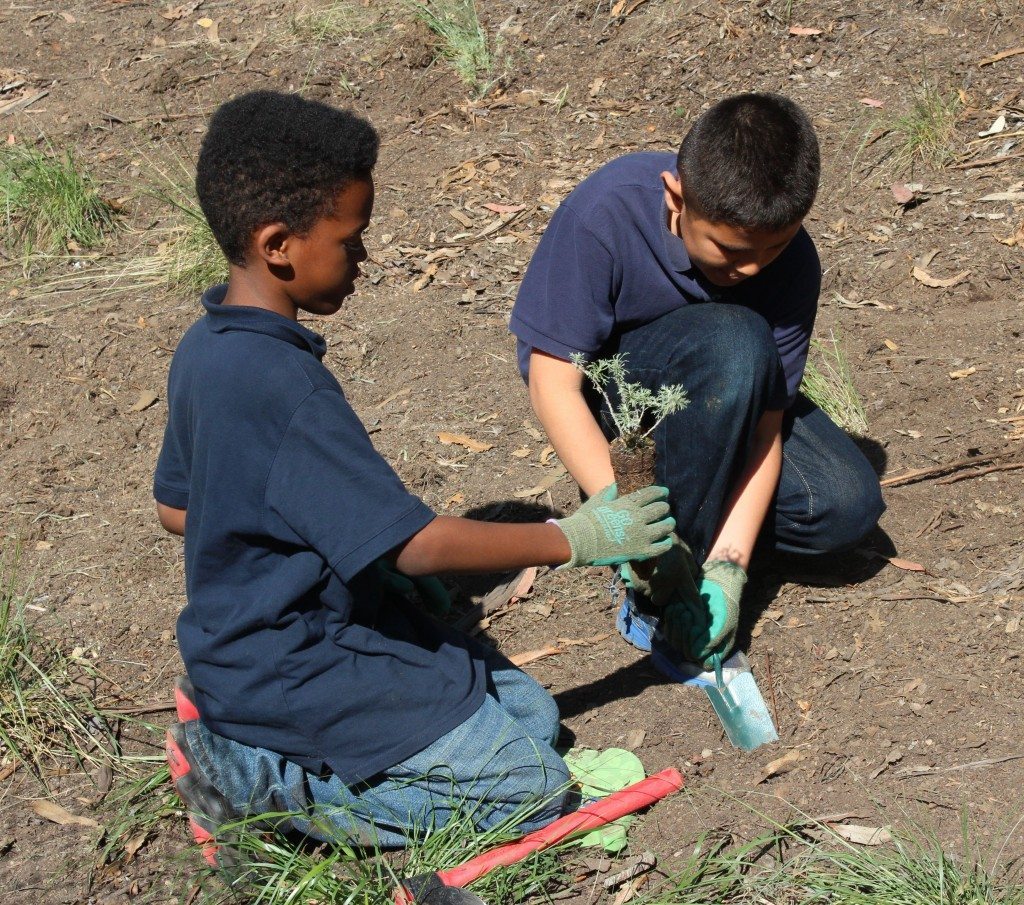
column 829, row 497
column 497, row 762
column 726, row 359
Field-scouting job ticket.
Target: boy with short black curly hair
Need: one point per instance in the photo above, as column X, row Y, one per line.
column 315, row 689
column 697, row 268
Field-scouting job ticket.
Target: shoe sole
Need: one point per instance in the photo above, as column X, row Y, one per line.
column 184, row 700
column 208, row 809
column 632, row 628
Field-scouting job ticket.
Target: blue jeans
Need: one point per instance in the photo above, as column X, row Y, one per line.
column 499, row 762
column 725, row 356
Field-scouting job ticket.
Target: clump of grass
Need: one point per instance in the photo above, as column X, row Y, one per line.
column 927, row 130
column 47, row 203
column 828, row 383
column 49, row 712
column 135, row 810
column 335, row 21
column 186, row 258
column 463, row 40
column 810, row 863
column 278, row 871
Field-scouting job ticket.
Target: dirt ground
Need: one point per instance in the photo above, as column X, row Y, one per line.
column 899, row 684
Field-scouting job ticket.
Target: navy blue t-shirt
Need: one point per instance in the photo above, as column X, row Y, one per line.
column 608, row 263
column 285, row 635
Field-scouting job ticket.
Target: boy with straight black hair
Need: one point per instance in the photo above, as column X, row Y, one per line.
column 316, row 691
column 697, row 268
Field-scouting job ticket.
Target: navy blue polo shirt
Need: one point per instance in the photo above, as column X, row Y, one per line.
column 608, row 263
column 285, row 635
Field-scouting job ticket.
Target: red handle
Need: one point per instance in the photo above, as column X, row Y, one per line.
column 594, row 815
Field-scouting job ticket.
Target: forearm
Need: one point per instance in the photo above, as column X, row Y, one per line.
column 464, row 545
column 557, row 398
column 748, row 505
column 172, row 520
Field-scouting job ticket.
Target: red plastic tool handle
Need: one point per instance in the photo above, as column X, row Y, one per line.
column 590, row 817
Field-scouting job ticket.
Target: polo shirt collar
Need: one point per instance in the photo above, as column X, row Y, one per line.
column 675, row 250
column 223, row 318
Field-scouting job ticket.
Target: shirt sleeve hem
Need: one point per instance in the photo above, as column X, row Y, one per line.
column 404, row 527
column 170, row 496
column 537, row 340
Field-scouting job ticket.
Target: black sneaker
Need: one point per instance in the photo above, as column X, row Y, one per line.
column 208, row 809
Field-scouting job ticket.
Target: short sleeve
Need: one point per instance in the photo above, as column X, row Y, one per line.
column 171, row 481
column 566, row 301
column 330, row 487
column 792, row 319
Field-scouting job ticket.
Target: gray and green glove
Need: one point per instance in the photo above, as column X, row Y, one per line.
column 608, row 530
column 674, row 577
column 701, row 627
column 431, row 591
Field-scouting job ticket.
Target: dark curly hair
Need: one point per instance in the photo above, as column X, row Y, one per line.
column 270, row 157
column 751, row 161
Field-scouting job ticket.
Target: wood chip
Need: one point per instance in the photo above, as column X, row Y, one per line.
column 963, row 372
column 466, row 442
column 145, row 400
column 803, row 31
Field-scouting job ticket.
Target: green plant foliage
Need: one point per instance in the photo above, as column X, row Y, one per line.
column 638, row 410
column 927, row 131
column 828, row 383
column 49, row 713
column 335, row 21
column 463, row 39
column 46, row 203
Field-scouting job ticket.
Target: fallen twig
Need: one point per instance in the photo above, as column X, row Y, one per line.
column 921, row 474
column 1006, row 466
column 974, row 764
column 986, row 162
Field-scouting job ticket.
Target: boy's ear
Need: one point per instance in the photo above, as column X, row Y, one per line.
column 270, row 244
column 673, row 191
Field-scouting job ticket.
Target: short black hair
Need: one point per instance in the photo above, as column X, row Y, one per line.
column 270, row 157
column 751, row 161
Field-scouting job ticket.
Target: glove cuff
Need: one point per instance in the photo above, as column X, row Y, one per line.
column 727, row 575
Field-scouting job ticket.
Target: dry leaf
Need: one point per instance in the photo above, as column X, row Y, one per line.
column 145, row 400
column 532, row 655
column 906, row 565
column 998, row 126
column 504, row 208
column 635, row 739
column 50, row 810
column 861, row 835
column 546, row 483
column 1003, row 196
column 780, row 765
column 521, row 453
column 803, row 30
column 597, row 85
column 963, row 372
column 1002, row 55
column 890, row 345
column 454, row 499
column 132, row 846
column 901, row 193
column 428, row 275
column 545, row 454
column 464, row 441
column 871, row 102
column 922, row 276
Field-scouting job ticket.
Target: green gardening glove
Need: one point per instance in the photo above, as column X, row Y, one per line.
column 702, row 627
column 674, row 578
column 432, row 593
column 608, row 530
